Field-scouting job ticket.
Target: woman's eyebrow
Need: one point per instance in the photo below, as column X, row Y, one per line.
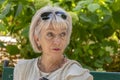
column 63, row 29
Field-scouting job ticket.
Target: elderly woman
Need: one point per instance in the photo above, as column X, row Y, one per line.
column 49, row 34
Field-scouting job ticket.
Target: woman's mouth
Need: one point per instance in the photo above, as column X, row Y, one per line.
column 56, row 49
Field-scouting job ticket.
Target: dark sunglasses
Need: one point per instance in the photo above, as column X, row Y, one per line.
column 48, row 15
column 43, row 78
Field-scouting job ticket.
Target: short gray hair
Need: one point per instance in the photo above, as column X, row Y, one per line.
column 37, row 24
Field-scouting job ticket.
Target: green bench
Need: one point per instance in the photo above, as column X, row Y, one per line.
column 8, row 74
column 106, row 75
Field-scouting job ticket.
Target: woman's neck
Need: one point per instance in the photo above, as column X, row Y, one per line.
column 50, row 64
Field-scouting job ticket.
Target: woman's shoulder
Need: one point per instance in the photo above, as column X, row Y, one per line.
column 23, row 68
column 25, row 62
column 76, row 71
column 75, row 67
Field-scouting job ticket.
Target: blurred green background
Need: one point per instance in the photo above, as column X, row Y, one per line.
column 95, row 40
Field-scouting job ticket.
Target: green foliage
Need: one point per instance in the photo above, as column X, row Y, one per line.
column 40, row 3
column 12, row 49
column 95, row 36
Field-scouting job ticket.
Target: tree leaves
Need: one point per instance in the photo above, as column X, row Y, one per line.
column 116, row 17
column 6, row 10
column 19, row 9
column 12, row 49
column 93, row 7
column 2, row 27
column 2, row 16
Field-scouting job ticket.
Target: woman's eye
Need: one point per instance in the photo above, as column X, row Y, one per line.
column 63, row 34
column 50, row 34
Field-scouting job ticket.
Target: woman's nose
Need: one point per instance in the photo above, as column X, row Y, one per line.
column 57, row 40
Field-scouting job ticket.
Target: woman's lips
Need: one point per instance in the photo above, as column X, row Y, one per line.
column 56, row 49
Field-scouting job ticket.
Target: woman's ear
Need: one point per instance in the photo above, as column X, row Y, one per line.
column 36, row 40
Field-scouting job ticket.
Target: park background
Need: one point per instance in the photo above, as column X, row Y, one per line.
column 95, row 40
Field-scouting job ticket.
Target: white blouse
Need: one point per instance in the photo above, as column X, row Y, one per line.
column 71, row 70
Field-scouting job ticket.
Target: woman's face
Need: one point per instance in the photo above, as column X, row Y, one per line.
column 53, row 41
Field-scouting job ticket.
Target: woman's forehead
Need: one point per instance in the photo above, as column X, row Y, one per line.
column 55, row 28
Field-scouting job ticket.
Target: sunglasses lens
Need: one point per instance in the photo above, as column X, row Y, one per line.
column 61, row 14
column 43, row 78
column 46, row 15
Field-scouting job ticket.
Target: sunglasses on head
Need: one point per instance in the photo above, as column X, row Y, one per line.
column 43, row 78
column 48, row 15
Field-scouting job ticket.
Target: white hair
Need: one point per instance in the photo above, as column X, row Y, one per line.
column 38, row 23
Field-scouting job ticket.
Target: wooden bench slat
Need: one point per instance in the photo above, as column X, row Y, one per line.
column 7, row 73
column 106, row 75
